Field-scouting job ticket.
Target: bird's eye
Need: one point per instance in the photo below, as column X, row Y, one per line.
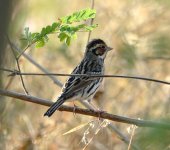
column 99, row 51
column 103, row 47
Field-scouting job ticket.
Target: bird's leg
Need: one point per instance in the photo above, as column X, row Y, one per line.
column 100, row 113
column 96, row 109
column 92, row 105
column 74, row 109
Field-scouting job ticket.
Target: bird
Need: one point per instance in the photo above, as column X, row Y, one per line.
column 84, row 87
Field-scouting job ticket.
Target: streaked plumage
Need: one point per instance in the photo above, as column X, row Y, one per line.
column 84, row 88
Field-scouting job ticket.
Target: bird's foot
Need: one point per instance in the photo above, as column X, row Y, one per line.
column 74, row 109
column 100, row 112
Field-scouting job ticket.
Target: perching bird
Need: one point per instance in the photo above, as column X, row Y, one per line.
column 84, row 88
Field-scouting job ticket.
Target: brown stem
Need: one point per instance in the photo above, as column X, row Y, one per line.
column 104, row 115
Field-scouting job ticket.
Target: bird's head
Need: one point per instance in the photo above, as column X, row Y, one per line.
column 97, row 48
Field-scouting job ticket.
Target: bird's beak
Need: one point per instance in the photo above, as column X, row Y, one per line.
column 109, row 48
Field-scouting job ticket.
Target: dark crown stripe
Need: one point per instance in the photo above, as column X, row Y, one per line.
column 95, row 42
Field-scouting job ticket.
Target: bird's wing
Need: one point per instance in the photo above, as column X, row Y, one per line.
column 77, row 83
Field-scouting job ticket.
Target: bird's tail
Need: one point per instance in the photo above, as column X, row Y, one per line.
column 54, row 107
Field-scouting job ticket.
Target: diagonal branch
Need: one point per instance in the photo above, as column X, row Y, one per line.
column 23, row 51
column 29, row 58
column 104, row 115
column 18, row 66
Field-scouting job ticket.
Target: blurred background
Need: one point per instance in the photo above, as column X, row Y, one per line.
column 138, row 30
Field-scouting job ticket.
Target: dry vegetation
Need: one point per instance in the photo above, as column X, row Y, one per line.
column 138, row 31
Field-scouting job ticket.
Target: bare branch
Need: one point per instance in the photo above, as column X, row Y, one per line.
column 9, row 83
column 23, row 51
column 91, row 21
column 17, row 61
column 104, row 115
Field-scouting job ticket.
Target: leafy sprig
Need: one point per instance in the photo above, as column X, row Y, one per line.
column 66, row 28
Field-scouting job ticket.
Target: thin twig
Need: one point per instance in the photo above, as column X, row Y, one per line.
column 18, row 66
column 22, row 80
column 7, row 70
column 157, row 58
column 9, row 83
column 22, row 52
column 91, row 21
column 85, row 75
column 104, row 115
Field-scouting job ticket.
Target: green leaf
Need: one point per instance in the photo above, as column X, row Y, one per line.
column 34, row 35
column 64, row 28
column 68, row 40
column 74, row 36
column 62, row 36
column 55, row 25
column 70, row 30
column 43, row 31
column 40, row 43
column 46, row 38
column 27, row 35
column 48, row 29
column 78, row 27
column 90, row 28
column 67, row 31
column 79, row 16
column 26, row 32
